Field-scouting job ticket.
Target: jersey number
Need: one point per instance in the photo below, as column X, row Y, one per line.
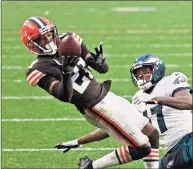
column 160, row 118
column 81, row 80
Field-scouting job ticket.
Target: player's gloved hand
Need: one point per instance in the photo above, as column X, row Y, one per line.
column 66, row 146
column 67, row 63
column 141, row 107
column 143, row 97
column 99, row 54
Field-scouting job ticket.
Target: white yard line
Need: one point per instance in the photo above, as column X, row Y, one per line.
column 138, row 38
column 113, row 66
column 154, row 31
column 183, row 45
column 13, row 67
column 127, row 55
column 113, row 80
column 26, row 97
column 134, row 9
column 44, row 120
column 38, row 97
column 52, row 149
column 167, row 66
column 103, row 31
column 118, row 55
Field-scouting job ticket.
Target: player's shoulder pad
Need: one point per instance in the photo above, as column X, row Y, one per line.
column 76, row 36
column 33, row 76
column 177, row 77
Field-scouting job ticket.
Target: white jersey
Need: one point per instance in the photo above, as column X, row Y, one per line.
column 173, row 124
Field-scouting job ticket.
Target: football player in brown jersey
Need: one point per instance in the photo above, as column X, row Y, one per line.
column 69, row 79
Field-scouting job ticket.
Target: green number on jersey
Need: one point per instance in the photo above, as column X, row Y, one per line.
column 160, row 117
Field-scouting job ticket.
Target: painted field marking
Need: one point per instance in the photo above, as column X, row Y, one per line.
column 134, row 9
column 149, row 31
column 111, row 32
column 118, row 55
column 167, row 66
column 113, row 80
column 38, row 97
column 52, row 149
column 113, row 66
column 159, row 37
column 127, row 55
column 44, row 120
column 154, row 45
column 26, row 97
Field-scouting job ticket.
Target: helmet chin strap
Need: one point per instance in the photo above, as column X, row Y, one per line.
column 50, row 48
column 144, row 84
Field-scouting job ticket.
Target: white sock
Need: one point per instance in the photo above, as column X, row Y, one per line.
column 152, row 160
column 106, row 161
column 119, row 156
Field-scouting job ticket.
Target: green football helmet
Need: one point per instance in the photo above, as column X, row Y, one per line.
column 156, row 66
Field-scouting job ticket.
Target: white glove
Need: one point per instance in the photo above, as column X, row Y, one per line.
column 66, row 146
column 143, row 97
column 141, row 107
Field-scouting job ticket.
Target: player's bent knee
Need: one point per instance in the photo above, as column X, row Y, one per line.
column 139, row 152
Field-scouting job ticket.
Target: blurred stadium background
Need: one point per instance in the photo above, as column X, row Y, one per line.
column 33, row 122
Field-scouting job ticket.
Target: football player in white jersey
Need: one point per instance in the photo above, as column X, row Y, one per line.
column 167, row 101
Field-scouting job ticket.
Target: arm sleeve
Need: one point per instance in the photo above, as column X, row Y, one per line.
column 177, row 83
column 62, row 90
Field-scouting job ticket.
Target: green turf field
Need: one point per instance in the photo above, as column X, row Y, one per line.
column 162, row 28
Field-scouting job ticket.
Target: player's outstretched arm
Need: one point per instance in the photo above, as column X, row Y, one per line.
column 182, row 100
column 97, row 60
column 97, row 135
column 180, row 93
column 63, row 90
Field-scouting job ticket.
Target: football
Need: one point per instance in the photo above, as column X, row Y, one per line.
column 69, row 46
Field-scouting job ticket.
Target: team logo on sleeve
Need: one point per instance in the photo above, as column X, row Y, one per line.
column 179, row 79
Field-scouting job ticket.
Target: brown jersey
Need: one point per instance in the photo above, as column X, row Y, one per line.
column 86, row 90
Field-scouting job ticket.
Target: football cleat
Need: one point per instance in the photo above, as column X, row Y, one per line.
column 85, row 163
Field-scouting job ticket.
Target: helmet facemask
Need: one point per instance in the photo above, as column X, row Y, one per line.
column 142, row 82
column 48, row 47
